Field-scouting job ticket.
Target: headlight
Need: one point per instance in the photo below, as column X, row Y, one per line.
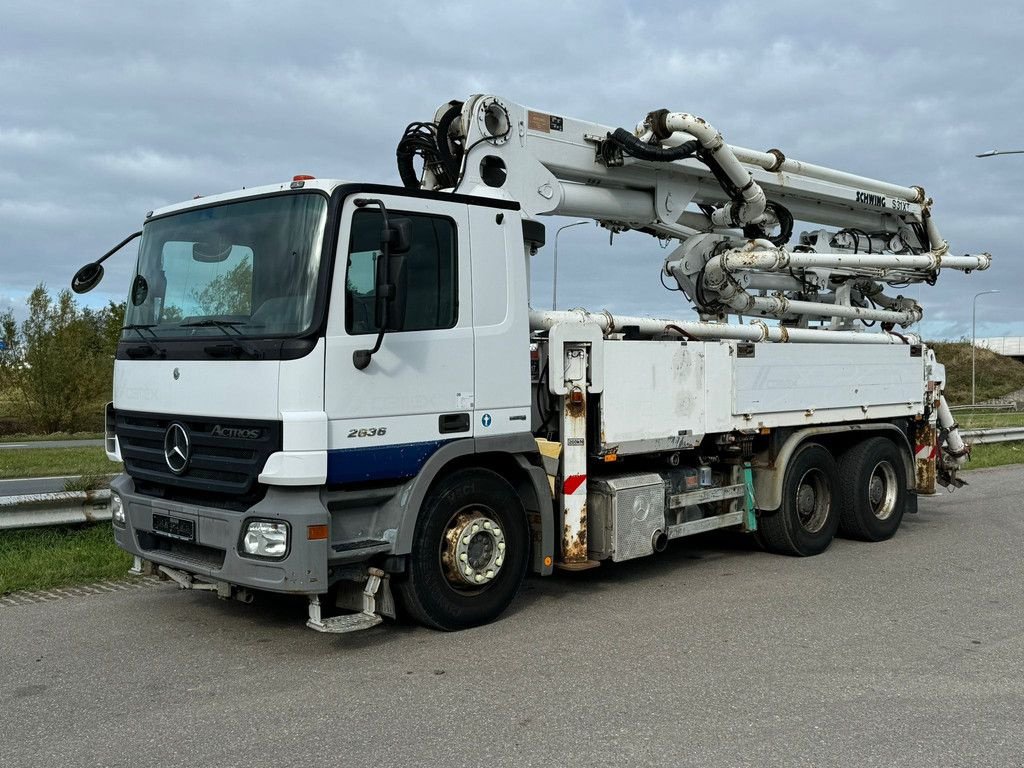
column 265, row 539
column 116, row 510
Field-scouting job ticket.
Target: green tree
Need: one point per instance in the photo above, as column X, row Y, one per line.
column 229, row 293
column 59, row 363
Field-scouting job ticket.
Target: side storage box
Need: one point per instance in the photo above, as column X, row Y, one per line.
column 624, row 513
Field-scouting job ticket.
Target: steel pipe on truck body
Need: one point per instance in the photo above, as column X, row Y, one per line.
column 770, row 162
column 955, row 448
column 754, row 200
column 543, row 320
column 778, row 260
column 777, row 306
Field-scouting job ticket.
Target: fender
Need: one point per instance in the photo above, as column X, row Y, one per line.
column 534, row 492
column 768, row 480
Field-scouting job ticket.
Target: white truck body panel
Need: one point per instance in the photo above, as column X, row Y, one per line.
column 244, row 389
column 664, row 395
column 818, row 378
column 501, row 331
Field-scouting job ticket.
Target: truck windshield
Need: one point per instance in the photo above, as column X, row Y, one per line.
column 251, row 265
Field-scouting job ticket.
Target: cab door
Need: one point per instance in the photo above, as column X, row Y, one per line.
column 416, row 394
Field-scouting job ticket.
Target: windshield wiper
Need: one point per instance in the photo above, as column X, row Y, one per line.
column 139, row 328
column 227, row 327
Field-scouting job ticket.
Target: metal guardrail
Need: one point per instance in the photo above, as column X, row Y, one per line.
column 992, row 405
column 995, row 435
column 71, row 507
column 42, row 509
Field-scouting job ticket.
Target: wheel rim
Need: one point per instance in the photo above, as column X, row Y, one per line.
column 472, row 549
column 882, row 490
column 813, row 500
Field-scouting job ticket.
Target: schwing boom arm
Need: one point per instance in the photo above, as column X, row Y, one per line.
column 731, row 208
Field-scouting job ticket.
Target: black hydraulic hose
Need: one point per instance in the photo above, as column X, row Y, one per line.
column 430, row 141
column 415, row 141
column 785, row 219
column 632, row 146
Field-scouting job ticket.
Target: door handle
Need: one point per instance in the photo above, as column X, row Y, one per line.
column 453, row 422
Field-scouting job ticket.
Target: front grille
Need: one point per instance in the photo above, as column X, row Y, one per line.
column 183, row 551
column 219, row 466
column 236, row 503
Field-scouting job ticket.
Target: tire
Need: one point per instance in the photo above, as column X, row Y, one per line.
column 872, row 489
column 808, row 518
column 439, row 591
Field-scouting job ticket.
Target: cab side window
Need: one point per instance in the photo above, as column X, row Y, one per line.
column 431, row 280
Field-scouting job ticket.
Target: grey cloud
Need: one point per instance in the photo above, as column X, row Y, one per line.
column 108, row 110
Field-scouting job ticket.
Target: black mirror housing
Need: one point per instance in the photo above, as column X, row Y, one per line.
column 390, row 295
column 87, row 278
column 397, row 236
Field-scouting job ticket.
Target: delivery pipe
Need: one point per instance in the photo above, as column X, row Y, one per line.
column 754, row 200
column 757, row 331
column 779, row 260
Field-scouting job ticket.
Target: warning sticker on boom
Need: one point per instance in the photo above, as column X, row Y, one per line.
column 543, row 122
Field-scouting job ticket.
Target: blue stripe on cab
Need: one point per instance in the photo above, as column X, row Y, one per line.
column 384, row 462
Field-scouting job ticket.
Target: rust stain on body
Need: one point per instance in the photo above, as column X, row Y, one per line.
column 574, row 545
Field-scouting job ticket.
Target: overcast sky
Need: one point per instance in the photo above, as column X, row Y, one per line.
column 108, row 110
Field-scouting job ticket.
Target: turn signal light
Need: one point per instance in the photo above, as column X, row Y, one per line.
column 316, row 533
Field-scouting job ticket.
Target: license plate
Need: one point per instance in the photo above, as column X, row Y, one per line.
column 174, row 527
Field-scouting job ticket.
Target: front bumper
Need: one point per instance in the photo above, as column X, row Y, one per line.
column 214, row 553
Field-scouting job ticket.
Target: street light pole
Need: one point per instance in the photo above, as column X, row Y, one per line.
column 554, row 279
column 994, row 152
column 974, row 319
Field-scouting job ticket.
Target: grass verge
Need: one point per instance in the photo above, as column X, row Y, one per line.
column 997, row 375
column 43, row 558
column 50, row 462
column 21, row 437
column 996, row 455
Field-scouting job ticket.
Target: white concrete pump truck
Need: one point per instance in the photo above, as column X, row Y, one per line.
column 339, row 390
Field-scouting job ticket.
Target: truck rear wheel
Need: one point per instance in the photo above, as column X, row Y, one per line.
column 807, row 521
column 469, row 552
column 873, row 493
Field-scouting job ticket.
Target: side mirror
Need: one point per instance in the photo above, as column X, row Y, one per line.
column 397, row 236
column 87, row 278
column 389, row 308
column 399, row 287
column 389, row 279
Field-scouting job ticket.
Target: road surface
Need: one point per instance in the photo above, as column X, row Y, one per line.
column 904, row 653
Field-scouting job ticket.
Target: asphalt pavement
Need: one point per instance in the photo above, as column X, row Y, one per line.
column 905, row 653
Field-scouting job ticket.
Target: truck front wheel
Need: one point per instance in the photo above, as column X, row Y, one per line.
column 873, row 489
column 809, row 517
column 469, row 552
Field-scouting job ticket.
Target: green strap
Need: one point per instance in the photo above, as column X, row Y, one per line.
column 750, row 523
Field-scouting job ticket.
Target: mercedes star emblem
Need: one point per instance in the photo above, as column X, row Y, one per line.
column 177, row 448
